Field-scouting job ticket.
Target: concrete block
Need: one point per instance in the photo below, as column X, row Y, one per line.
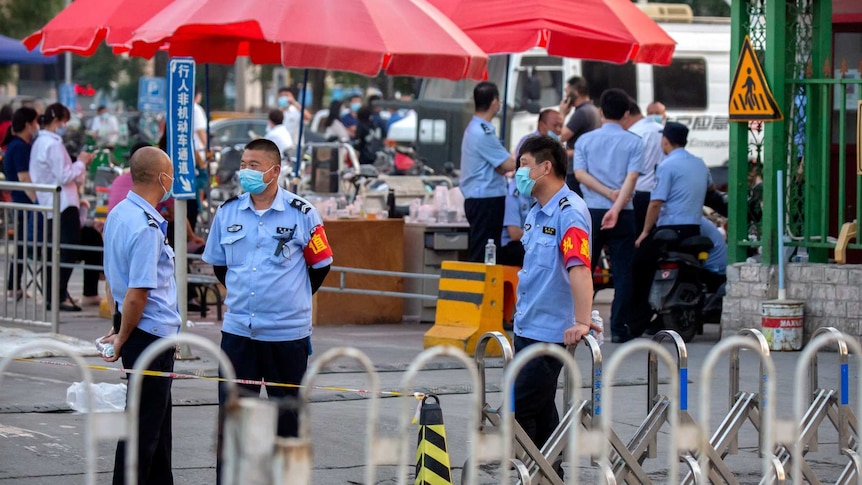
column 750, row 272
column 759, row 290
column 836, row 275
column 732, row 272
column 854, row 275
column 792, row 271
column 846, row 293
column 814, row 308
column 739, row 290
column 835, row 309
column 750, row 305
column 797, row 291
column 813, row 273
column 823, row 292
column 854, row 309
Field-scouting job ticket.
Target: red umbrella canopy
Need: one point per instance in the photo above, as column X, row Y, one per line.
column 605, row 30
column 400, row 37
column 84, row 24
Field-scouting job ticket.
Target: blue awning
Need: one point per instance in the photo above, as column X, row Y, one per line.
column 12, row 51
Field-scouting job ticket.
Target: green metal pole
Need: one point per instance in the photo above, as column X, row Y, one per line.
column 775, row 133
column 818, row 130
column 737, row 229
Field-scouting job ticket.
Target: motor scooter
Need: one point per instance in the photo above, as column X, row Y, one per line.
column 683, row 292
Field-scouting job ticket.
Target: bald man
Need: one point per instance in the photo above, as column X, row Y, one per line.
column 656, row 112
column 139, row 267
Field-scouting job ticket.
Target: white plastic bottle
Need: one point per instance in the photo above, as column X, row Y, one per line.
column 596, row 320
column 107, row 350
column 491, row 253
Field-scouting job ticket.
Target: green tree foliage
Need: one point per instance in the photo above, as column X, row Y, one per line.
column 21, row 18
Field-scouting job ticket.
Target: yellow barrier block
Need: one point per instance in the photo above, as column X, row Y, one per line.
column 473, row 299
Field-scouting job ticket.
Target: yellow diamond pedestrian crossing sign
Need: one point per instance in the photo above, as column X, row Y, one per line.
column 750, row 96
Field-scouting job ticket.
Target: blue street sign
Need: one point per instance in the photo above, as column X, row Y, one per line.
column 151, row 95
column 181, row 90
column 68, row 98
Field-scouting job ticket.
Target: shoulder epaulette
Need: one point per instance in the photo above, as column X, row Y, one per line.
column 300, row 205
column 564, row 202
column 235, row 197
column 487, row 129
column 151, row 221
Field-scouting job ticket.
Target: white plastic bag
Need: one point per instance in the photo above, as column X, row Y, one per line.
column 104, row 397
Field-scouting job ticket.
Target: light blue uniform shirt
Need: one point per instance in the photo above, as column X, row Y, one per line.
column 681, row 181
column 481, row 153
column 545, row 306
column 268, row 289
column 609, row 154
column 517, row 207
column 137, row 255
column 717, row 259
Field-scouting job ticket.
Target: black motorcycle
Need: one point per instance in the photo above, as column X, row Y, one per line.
column 684, row 293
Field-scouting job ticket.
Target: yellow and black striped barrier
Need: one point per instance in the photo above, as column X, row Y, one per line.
column 472, row 299
column 432, row 455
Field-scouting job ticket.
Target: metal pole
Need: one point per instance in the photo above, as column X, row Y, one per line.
column 67, row 68
column 505, row 98
column 207, row 102
column 55, row 263
column 301, row 124
column 780, row 187
column 181, row 272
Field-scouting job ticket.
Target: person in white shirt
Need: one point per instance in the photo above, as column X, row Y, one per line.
column 650, row 134
column 277, row 132
column 105, row 128
column 51, row 164
column 291, row 107
column 199, row 123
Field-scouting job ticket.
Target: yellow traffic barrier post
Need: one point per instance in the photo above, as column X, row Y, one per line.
column 432, row 454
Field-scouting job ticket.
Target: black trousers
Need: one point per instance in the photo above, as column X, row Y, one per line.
column 645, row 265
column 91, row 237
column 640, row 201
column 621, row 243
column 535, row 391
column 511, row 254
column 154, row 427
column 282, row 362
column 70, row 233
column 485, row 216
column 23, row 233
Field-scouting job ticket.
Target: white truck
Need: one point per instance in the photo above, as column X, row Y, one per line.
column 694, row 88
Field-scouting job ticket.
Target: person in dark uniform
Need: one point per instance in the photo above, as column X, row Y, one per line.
column 268, row 247
column 139, row 267
column 555, row 286
column 484, row 160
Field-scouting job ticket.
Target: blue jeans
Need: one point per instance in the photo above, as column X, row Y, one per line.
column 621, row 243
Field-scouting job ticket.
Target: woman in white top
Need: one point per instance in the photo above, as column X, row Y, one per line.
column 335, row 130
column 51, row 164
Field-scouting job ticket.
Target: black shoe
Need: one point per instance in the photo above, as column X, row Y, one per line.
column 194, row 306
column 69, row 307
column 620, row 339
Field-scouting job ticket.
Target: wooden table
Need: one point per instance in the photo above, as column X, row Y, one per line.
column 366, row 244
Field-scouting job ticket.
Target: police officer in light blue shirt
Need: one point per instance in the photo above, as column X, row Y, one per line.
column 269, row 249
column 511, row 252
column 555, row 286
column 484, row 160
column 676, row 204
column 607, row 164
column 139, row 268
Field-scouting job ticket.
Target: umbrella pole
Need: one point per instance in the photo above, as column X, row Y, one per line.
column 301, row 126
column 505, row 97
column 207, row 101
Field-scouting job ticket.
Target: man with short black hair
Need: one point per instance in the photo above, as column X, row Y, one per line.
column 484, row 160
column 555, row 286
column 607, row 164
column 585, row 119
column 268, row 247
column 550, row 123
column 277, row 133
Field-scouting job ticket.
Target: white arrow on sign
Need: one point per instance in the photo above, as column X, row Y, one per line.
column 187, row 185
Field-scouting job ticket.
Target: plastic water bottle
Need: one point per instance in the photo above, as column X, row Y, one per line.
column 107, row 350
column 596, row 320
column 491, row 253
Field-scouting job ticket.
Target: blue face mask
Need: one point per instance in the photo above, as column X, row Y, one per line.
column 523, row 182
column 656, row 118
column 282, row 102
column 252, row 180
column 355, row 107
column 168, row 192
column 60, row 131
column 553, row 135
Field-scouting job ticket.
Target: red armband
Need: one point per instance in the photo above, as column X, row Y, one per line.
column 576, row 244
column 318, row 248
